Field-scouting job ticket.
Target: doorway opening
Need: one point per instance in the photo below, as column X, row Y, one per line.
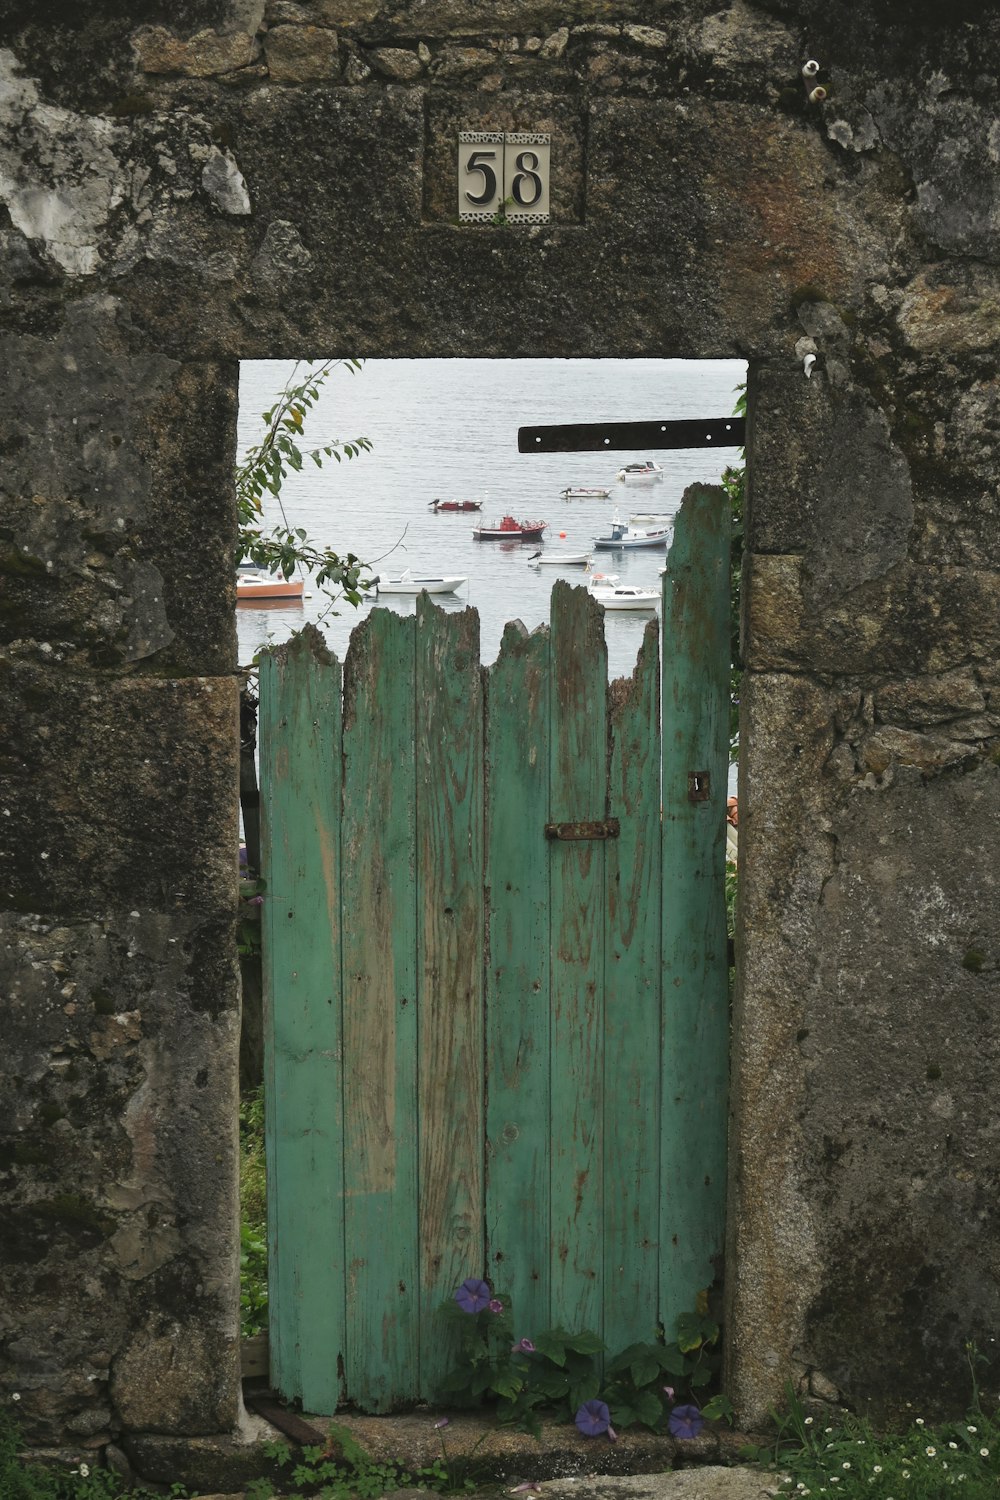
column 444, row 440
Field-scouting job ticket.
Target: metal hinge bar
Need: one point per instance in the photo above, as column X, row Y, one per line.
column 628, row 437
column 596, row 828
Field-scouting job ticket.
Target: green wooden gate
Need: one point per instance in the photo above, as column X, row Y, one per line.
column 494, row 1048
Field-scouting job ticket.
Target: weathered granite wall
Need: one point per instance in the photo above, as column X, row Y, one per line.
column 189, row 184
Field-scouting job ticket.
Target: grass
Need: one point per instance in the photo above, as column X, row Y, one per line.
column 847, row 1460
column 253, row 1216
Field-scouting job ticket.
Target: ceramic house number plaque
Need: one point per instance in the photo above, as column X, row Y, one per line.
column 503, row 172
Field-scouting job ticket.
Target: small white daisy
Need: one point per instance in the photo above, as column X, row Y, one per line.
column 984, row 1453
column 877, row 1469
column 931, row 1452
column 972, row 1429
column 920, row 1421
column 84, row 1472
column 845, row 1466
column 952, row 1445
column 809, row 1422
column 16, row 1396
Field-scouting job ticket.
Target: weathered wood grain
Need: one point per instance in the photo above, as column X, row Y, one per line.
column 380, row 1013
column 578, row 789
column 517, row 975
column 492, row 1052
column 632, row 1008
column 300, row 762
column 449, row 826
column 695, row 973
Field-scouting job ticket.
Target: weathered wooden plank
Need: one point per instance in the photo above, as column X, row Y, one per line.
column 632, row 1009
column 578, row 791
column 695, row 973
column 449, row 774
column 300, row 763
column 380, row 1013
column 517, row 975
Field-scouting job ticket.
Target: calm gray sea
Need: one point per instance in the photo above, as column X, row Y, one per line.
column 448, row 429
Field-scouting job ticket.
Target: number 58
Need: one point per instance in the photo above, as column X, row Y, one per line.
column 503, row 173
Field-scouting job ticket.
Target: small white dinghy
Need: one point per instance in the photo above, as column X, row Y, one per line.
column 559, row 559
column 406, row 583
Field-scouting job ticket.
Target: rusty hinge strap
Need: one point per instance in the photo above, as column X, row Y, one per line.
column 596, row 828
column 266, row 1405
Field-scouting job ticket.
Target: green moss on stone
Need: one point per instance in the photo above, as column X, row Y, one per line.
column 133, row 104
column 973, row 960
column 102, row 1002
column 23, row 564
column 74, row 1210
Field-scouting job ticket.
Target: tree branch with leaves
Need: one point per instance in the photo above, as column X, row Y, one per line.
column 265, row 467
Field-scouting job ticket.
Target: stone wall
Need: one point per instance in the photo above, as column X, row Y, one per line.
column 185, row 185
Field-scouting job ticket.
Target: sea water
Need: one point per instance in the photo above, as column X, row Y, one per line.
column 447, row 429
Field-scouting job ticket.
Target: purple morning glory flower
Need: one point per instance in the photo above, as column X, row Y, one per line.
column 496, row 1306
column 473, row 1295
column 593, row 1418
column 523, row 1346
column 686, row 1422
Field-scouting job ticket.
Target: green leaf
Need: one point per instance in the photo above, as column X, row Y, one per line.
column 507, row 1383
column 552, row 1345
column 645, row 1370
column 585, row 1388
column 622, row 1414
column 552, row 1384
column 699, row 1376
column 673, row 1361
column 648, row 1408
column 689, row 1332
column 624, row 1359
column 719, row 1407
column 585, row 1342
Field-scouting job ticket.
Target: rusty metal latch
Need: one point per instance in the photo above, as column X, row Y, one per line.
column 596, row 828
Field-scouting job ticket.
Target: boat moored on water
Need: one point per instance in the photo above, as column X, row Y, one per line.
column 626, row 535
column 407, row 583
column 559, row 559
column 455, row 505
column 646, row 472
column 251, row 584
column 508, row 529
column 608, row 590
column 585, row 492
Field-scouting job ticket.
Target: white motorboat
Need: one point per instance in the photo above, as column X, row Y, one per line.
column 646, row 472
column 407, row 583
column 623, row 535
column 608, row 590
column 559, row 559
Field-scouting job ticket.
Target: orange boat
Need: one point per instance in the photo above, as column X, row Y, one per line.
column 267, row 586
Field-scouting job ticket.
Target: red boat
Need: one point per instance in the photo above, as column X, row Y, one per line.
column 507, row 529
column 456, row 505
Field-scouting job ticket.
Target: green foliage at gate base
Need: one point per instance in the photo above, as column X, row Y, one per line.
column 342, row 1471
column 819, row 1453
column 253, row 1216
column 556, row 1371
